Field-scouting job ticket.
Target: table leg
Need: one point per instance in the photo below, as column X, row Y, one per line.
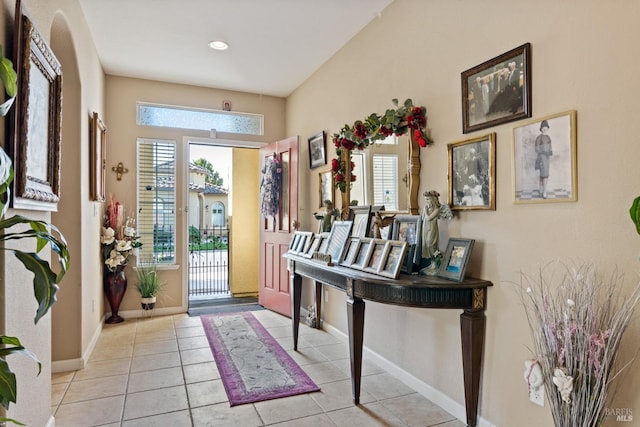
column 355, row 315
column 296, row 295
column 318, row 286
column 472, row 326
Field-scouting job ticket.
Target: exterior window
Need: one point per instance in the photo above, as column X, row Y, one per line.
column 157, row 200
column 199, row 119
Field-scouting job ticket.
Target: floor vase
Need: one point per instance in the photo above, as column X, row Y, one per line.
column 115, row 285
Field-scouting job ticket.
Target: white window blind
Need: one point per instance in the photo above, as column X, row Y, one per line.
column 385, row 181
column 157, row 200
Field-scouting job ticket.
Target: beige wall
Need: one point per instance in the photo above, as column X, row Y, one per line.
column 244, row 223
column 583, row 59
column 65, row 333
column 121, row 97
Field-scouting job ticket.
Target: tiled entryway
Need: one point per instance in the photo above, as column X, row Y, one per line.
column 159, row 371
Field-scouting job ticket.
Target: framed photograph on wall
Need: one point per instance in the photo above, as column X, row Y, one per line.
column 497, row 91
column 472, row 173
column 544, row 160
column 456, row 257
column 98, row 154
column 317, row 150
column 326, row 188
column 38, row 121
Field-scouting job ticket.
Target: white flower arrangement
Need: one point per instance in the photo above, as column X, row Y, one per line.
column 577, row 322
column 119, row 236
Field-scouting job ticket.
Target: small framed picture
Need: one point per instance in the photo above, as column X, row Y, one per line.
column 408, row 228
column 340, row 232
column 454, row 262
column 349, row 252
column 497, row 91
column 318, row 150
column 361, row 257
column 361, row 217
column 313, row 248
column 293, row 244
column 324, row 242
column 472, row 173
column 395, row 254
column 377, row 256
column 326, row 188
column 544, row 160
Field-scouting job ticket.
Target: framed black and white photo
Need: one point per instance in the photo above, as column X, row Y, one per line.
column 472, row 173
column 544, row 160
column 317, row 150
column 456, row 257
column 497, row 91
column 38, row 122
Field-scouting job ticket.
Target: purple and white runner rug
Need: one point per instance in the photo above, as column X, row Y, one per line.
column 252, row 365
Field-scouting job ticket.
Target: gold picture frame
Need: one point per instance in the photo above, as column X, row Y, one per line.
column 98, row 162
column 326, row 188
column 472, row 173
column 37, row 121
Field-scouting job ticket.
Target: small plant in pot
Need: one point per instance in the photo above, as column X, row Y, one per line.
column 149, row 285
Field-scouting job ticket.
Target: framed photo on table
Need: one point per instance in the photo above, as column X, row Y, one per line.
column 377, row 253
column 544, row 160
column 317, row 150
column 497, row 91
column 408, row 228
column 361, row 258
column 38, row 121
column 340, row 233
column 394, row 256
column 361, row 217
column 456, row 257
column 472, row 173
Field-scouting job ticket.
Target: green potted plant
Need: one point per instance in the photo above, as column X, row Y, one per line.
column 45, row 280
column 149, row 285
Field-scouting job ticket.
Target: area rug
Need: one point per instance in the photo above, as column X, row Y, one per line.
column 252, row 365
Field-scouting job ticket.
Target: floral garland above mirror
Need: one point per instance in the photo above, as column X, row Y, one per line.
column 397, row 121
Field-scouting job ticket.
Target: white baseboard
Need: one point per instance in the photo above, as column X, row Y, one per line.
column 445, row 402
column 51, row 422
column 135, row 314
column 67, row 365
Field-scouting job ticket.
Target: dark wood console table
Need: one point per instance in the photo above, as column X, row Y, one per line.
column 410, row 291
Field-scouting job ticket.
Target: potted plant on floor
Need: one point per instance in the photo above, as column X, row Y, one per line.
column 149, row 285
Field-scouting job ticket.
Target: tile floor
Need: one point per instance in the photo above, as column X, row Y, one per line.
column 159, row 371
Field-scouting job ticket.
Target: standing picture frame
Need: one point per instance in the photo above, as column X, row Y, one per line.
column 497, row 91
column 545, row 161
column 349, row 252
column 377, row 256
column 37, row 124
column 408, row 228
column 472, row 173
column 362, row 254
column 340, row 232
column 326, row 188
column 456, row 257
column 394, row 259
column 317, row 150
column 98, row 154
column 361, row 217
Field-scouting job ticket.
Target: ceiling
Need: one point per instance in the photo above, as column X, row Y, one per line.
column 275, row 45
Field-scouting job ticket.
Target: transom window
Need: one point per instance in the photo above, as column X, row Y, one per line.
column 199, row 119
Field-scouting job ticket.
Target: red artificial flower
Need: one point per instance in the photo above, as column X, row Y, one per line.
column 353, row 178
column 339, row 177
column 422, row 142
column 360, row 131
column 336, row 142
column 348, row 145
column 335, row 165
column 417, row 133
column 385, row 131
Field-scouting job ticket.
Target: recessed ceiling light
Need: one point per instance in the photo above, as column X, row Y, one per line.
column 218, row 45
